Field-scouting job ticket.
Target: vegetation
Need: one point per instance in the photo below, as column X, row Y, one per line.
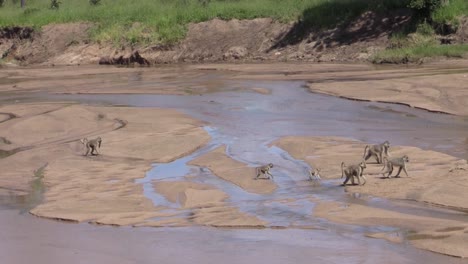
column 416, row 53
column 95, row 2
column 55, row 4
column 165, row 21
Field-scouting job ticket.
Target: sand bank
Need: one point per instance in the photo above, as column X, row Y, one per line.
column 234, row 171
column 434, row 178
column 100, row 188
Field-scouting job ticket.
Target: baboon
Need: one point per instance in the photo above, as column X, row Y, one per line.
column 314, row 174
column 376, row 151
column 264, row 170
column 351, row 171
column 398, row 162
column 92, row 145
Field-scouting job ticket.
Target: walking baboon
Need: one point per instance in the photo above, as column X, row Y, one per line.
column 351, row 171
column 376, row 151
column 264, row 170
column 397, row 162
column 314, row 174
column 92, row 145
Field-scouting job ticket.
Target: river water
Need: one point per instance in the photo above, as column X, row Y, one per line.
column 246, row 122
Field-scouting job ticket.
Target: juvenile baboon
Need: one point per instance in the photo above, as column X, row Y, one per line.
column 314, row 174
column 351, row 171
column 398, row 162
column 92, row 145
column 376, row 151
column 264, row 170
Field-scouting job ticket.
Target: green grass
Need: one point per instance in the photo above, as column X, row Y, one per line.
column 144, row 22
column 450, row 13
column 416, row 53
column 165, row 21
column 159, row 20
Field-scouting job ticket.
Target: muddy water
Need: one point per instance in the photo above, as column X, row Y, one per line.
column 246, row 122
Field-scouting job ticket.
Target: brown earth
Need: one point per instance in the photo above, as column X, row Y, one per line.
column 434, row 178
column 212, row 41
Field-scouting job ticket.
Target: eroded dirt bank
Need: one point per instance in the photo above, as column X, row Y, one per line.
column 260, row 39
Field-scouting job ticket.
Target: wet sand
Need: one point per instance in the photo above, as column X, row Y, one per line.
column 93, row 188
column 205, row 144
column 29, row 239
column 434, row 178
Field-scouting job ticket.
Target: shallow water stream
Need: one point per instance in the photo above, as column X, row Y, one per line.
column 246, row 122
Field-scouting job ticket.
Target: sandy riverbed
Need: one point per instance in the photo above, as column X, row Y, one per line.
column 434, row 178
column 42, row 153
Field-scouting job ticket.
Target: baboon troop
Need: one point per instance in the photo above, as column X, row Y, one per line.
column 356, row 171
column 91, row 145
column 351, row 172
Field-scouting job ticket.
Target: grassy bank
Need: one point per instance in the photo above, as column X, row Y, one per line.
column 124, row 22
column 164, row 21
column 415, row 53
column 421, row 42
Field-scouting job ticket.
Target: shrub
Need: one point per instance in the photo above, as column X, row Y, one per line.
column 425, row 7
column 55, row 4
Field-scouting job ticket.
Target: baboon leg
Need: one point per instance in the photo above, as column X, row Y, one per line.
column 364, row 178
column 258, row 175
column 379, row 158
column 367, row 156
column 352, row 180
column 404, row 169
column 399, row 170
column 87, row 151
column 346, row 180
column 93, row 149
column 358, row 180
column 271, row 176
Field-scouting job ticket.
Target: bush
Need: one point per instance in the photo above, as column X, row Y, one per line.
column 55, row 4
column 94, row 2
column 425, row 29
column 425, row 7
column 2, row 2
column 29, row 11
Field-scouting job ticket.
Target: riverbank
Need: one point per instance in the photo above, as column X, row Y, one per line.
column 267, row 41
